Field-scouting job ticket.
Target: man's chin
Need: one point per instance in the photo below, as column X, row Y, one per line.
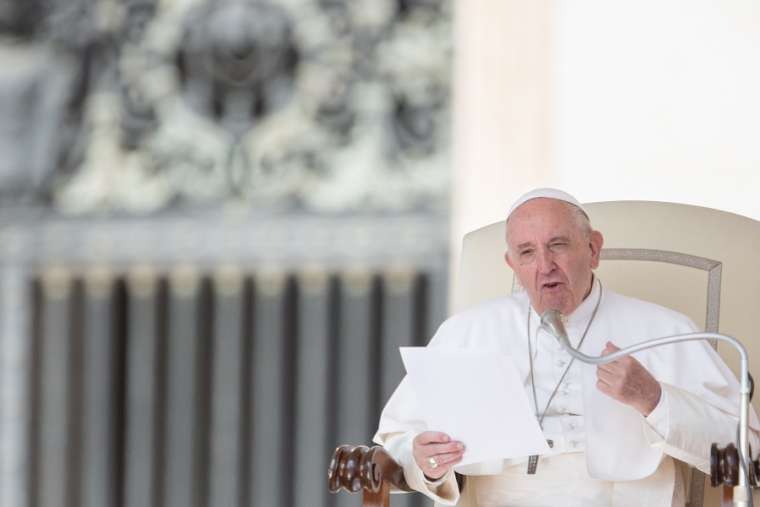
column 555, row 303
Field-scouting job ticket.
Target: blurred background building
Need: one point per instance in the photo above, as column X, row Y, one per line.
column 220, row 218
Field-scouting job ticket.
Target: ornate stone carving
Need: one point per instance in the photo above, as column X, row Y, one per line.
column 315, row 105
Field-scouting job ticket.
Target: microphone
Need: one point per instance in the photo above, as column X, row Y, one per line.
column 551, row 322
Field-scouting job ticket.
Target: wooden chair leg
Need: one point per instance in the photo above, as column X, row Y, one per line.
column 380, row 498
column 727, row 496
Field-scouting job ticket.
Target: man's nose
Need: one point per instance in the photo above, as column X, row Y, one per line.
column 545, row 260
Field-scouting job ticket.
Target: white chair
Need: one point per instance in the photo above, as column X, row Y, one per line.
column 699, row 261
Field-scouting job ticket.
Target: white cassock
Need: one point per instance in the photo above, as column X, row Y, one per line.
column 605, row 453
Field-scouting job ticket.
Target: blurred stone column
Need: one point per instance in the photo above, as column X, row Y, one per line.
column 181, row 408
column 227, row 388
column 312, row 388
column 53, row 483
column 268, row 401
column 142, row 351
column 98, row 458
column 354, row 421
column 15, row 364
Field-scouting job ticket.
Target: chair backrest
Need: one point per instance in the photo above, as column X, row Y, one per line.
column 696, row 260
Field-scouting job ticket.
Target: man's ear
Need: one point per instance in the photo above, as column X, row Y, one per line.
column 596, row 241
column 508, row 260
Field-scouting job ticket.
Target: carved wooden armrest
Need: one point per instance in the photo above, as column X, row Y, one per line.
column 370, row 470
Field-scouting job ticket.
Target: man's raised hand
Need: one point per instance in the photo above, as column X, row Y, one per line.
column 627, row 381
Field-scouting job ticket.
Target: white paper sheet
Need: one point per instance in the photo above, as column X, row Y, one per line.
column 476, row 397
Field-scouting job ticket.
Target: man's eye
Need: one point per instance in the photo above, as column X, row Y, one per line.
column 526, row 253
column 559, row 245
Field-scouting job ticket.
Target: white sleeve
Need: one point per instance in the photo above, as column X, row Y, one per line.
column 444, row 491
column 685, row 427
column 658, row 419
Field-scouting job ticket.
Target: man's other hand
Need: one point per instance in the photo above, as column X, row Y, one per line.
column 627, row 381
column 435, row 453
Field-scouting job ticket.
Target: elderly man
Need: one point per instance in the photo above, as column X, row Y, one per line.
column 614, row 429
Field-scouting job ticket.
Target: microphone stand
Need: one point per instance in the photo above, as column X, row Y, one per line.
column 552, row 323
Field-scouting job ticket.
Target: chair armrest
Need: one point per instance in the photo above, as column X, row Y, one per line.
column 371, row 470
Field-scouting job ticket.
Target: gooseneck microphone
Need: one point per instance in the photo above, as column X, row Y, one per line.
column 551, row 322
